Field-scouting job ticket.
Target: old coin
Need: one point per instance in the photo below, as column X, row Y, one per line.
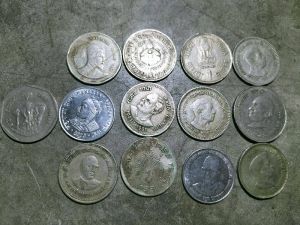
column 149, row 55
column 29, row 113
column 94, row 58
column 263, row 171
column 204, row 113
column 256, row 61
column 147, row 109
column 86, row 114
column 259, row 114
column 88, row 173
column 148, row 167
column 208, row 176
column 206, row 58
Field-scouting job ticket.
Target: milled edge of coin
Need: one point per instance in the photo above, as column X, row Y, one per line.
column 241, row 180
column 85, row 79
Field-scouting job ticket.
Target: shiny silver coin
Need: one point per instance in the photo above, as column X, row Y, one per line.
column 256, row 61
column 94, row 58
column 28, row 114
column 203, row 113
column 208, row 176
column 88, row 173
column 206, row 58
column 148, row 167
column 149, row 55
column 259, row 114
column 86, row 114
column 147, row 109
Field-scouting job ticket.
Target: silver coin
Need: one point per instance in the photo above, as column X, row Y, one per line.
column 259, row 114
column 29, row 113
column 147, row 109
column 148, row 167
column 208, row 176
column 256, row 61
column 204, row 113
column 88, row 173
column 149, row 55
column 86, row 114
column 206, row 58
column 94, row 58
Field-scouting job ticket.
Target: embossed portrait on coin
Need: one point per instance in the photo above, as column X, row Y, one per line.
column 256, row 61
column 206, row 55
column 150, row 55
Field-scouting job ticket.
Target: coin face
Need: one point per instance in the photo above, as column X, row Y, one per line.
column 29, row 113
column 86, row 114
column 147, row 109
column 204, row 113
column 148, row 167
column 94, row 58
column 206, row 58
column 149, row 55
column 262, row 170
column 259, row 114
column 208, row 176
column 256, row 61
column 88, row 173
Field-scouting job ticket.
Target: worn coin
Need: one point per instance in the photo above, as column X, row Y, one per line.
column 256, row 61
column 86, row 114
column 94, row 58
column 203, row 113
column 262, row 170
column 259, row 114
column 147, row 109
column 206, row 58
column 148, row 167
column 208, row 176
column 28, row 114
column 149, row 55
column 88, row 173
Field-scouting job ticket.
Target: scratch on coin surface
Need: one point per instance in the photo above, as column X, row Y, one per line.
column 35, row 179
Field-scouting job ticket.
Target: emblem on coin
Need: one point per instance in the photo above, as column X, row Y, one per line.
column 94, row 58
column 86, row 114
column 29, row 113
column 149, row 55
column 148, row 167
column 203, row 113
column 206, row 58
column 88, row 173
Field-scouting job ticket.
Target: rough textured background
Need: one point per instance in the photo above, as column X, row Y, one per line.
column 34, row 38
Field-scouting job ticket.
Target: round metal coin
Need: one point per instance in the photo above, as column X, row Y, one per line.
column 263, row 171
column 149, row 55
column 28, row 114
column 88, row 173
column 94, row 58
column 208, row 176
column 86, row 114
column 148, row 167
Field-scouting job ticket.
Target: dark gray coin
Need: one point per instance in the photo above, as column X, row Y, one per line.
column 86, row 114
column 208, row 176
column 263, row 170
column 29, row 113
column 259, row 114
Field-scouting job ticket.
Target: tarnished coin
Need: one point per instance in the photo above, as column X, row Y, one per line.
column 263, row 170
column 86, row 114
column 94, row 58
column 149, row 55
column 148, row 167
column 256, row 61
column 204, row 113
column 88, row 173
column 206, row 58
column 259, row 114
column 28, row 114
column 208, row 176
column 147, row 109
